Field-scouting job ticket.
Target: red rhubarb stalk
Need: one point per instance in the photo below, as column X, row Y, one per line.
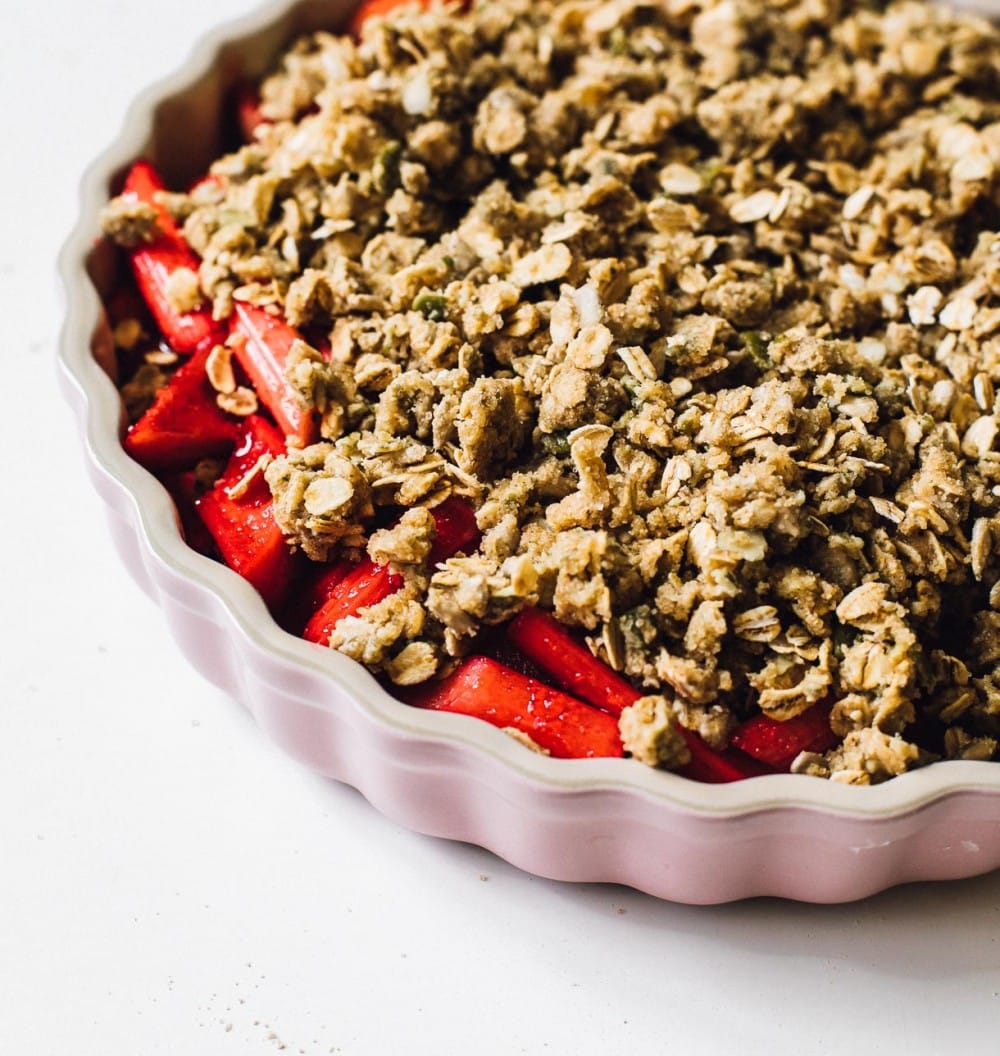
column 486, row 689
column 546, row 642
column 571, row 664
column 455, row 529
column 239, row 514
column 320, row 583
column 261, row 343
column 367, row 583
column 185, row 490
column 156, row 262
column 777, row 743
column 184, row 423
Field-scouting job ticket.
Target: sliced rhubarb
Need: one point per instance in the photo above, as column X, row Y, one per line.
column 545, row 641
column 717, row 768
column 184, row 423
column 261, row 343
column 155, row 263
column 776, row 743
column 314, row 588
column 239, row 514
column 485, row 689
column 316, row 591
column 455, row 529
column 560, row 656
column 367, row 583
column 185, row 490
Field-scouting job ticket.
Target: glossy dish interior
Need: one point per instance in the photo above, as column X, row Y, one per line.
column 446, row 775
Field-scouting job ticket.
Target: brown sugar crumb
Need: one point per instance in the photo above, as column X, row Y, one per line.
column 242, row 401
column 129, row 222
column 320, row 499
column 183, row 291
column 651, row 733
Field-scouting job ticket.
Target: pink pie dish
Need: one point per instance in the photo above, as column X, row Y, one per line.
column 447, row 775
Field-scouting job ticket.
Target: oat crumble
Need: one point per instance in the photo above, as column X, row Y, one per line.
column 697, row 302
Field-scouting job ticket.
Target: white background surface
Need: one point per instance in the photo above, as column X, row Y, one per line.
column 169, row 883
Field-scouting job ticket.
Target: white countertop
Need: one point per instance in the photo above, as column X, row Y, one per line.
column 170, row 883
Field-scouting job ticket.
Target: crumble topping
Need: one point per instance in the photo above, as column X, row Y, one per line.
column 183, row 291
column 650, row 733
column 320, row 498
column 129, row 222
column 697, row 302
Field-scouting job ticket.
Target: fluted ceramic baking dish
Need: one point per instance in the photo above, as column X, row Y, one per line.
column 447, row 775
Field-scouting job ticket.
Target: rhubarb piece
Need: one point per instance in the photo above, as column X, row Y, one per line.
column 560, row 724
column 776, row 744
column 712, row 767
column 185, row 489
column 545, row 641
column 158, row 265
column 560, row 656
column 261, row 343
column 367, row 583
column 455, row 529
column 238, row 512
column 184, row 423
column 317, row 591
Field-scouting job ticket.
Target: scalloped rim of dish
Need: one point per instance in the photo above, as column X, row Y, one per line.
column 120, row 480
